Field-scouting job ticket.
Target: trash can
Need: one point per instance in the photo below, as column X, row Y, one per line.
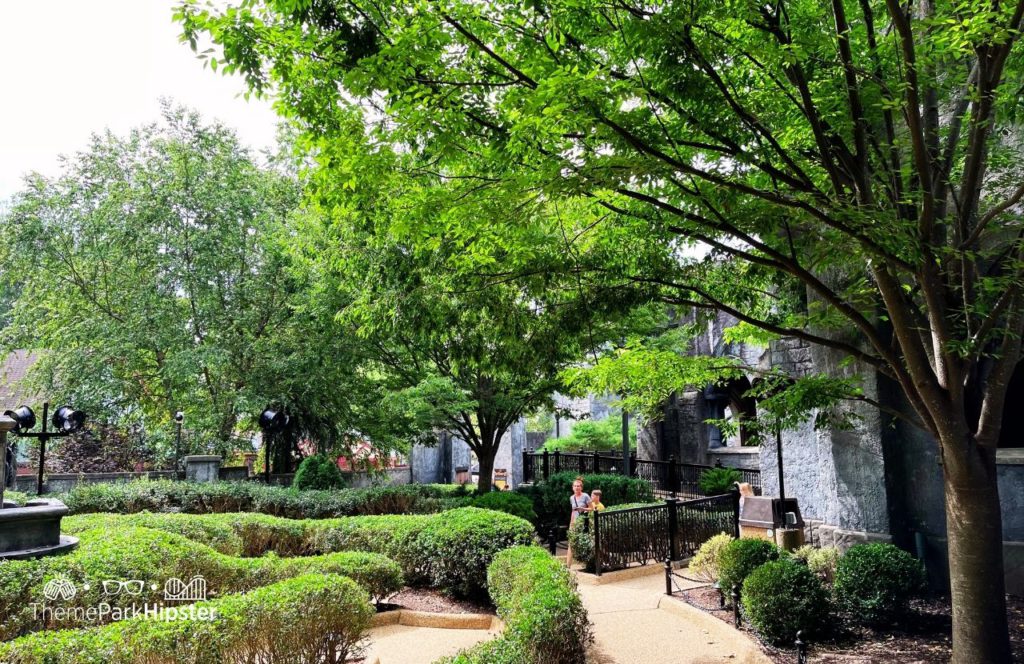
column 772, row 519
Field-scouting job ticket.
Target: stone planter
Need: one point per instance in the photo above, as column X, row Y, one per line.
column 34, row 530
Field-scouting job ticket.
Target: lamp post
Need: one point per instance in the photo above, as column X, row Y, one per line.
column 179, row 420
column 271, row 422
column 66, row 421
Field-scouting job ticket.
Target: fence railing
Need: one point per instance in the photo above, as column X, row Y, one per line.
column 667, row 477
column 673, row 530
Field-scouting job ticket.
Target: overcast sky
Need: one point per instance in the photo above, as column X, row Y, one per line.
column 75, row 67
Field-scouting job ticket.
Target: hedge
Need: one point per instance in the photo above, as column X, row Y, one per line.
column 551, row 497
column 220, row 497
column 318, row 472
column 154, row 557
column 783, row 597
column 310, row 618
column 875, row 582
column 545, row 622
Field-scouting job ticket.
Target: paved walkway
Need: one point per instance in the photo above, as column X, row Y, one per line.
column 636, row 623
column 400, row 644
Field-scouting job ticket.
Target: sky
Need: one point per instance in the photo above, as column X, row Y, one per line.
column 75, row 67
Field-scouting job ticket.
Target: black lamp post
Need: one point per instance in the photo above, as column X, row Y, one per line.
column 271, row 422
column 179, row 420
column 66, row 421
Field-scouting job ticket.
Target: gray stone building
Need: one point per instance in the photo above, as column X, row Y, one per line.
column 439, row 463
column 881, row 480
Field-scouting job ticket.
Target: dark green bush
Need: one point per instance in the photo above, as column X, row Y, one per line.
column 874, row 582
column 456, row 547
column 220, row 497
column 214, row 533
column 783, row 597
column 508, row 502
column 545, row 622
column 304, row 619
column 318, row 472
column 741, row 557
column 716, row 481
column 551, row 497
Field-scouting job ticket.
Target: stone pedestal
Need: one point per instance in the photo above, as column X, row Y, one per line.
column 34, row 530
column 202, row 468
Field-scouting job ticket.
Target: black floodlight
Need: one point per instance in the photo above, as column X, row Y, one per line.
column 24, row 418
column 273, row 421
column 68, row 420
column 179, row 417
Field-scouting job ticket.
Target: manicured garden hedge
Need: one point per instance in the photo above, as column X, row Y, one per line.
column 551, row 497
column 310, row 618
column 218, row 497
column 545, row 622
column 154, row 557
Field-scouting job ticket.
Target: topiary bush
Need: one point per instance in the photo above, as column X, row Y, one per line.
column 545, row 622
column 508, row 502
column 782, row 597
column 874, row 582
column 455, row 548
column 822, row 561
column 741, row 557
column 318, row 472
column 551, row 497
column 310, row 618
column 704, row 564
column 716, row 481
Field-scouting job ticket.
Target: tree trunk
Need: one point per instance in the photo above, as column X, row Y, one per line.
column 975, row 534
column 486, row 458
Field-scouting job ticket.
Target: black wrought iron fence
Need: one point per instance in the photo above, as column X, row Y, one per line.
column 674, row 530
column 670, row 478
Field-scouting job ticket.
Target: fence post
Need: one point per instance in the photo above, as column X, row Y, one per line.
column 597, row 462
column 597, row 543
column 544, row 463
column 719, row 464
column 668, row 577
column 673, row 529
column 527, row 468
column 553, row 539
column 673, row 475
column 558, row 464
column 735, row 491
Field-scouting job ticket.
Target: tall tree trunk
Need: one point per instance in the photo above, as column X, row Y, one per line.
column 486, row 457
column 975, row 533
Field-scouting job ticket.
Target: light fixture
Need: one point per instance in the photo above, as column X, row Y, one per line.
column 24, row 418
column 68, row 420
column 273, row 421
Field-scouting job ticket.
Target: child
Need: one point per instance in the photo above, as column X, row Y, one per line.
column 595, row 497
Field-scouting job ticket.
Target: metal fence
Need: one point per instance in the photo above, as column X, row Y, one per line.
column 673, row 530
column 671, row 478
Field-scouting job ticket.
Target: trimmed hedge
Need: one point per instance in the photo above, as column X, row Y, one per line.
column 318, row 472
column 551, row 497
column 154, row 557
column 705, row 562
column 740, row 557
column 545, row 622
column 783, row 597
column 874, row 582
column 508, row 502
column 311, row 618
column 220, row 497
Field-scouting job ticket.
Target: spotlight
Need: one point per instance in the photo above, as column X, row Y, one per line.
column 24, row 418
column 273, row 421
column 68, row 420
column 179, row 417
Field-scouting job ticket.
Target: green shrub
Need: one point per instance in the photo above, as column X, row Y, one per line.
column 545, row 622
column 716, row 481
column 214, row 533
column 822, row 562
column 741, row 557
column 581, row 542
column 318, row 472
column 874, row 582
column 154, row 557
column 704, row 565
column 305, row 619
column 508, row 502
column 456, row 547
column 222, row 497
column 782, row 597
column 551, row 497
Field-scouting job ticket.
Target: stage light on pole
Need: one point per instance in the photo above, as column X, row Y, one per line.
column 24, row 418
column 68, row 420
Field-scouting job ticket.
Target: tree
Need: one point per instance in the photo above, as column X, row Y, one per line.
column 867, row 151
column 154, row 270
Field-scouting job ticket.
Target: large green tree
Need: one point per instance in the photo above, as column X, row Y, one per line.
column 154, row 274
column 868, row 151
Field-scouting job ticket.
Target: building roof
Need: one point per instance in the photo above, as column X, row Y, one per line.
column 13, row 388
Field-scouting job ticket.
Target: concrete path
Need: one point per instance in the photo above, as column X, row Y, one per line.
column 636, row 623
column 401, row 644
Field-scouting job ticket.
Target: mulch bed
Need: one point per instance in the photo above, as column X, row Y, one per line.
column 921, row 638
column 424, row 599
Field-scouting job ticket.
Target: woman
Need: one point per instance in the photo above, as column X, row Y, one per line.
column 580, row 502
